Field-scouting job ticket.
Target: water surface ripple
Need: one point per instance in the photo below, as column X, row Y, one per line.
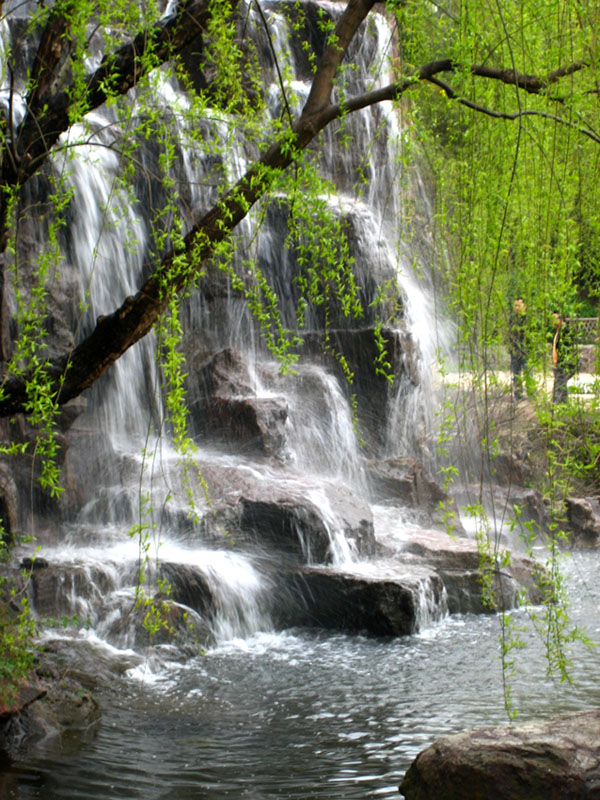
column 304, row 714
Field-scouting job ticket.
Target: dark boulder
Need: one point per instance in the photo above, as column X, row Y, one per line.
column 313, row 525
column 9, row 506
column 159, row 621
column 56, row 702
column 252, row 424
column 557, row 759
column 226, row 408
column 523, row 507
column 511, row 469
column 583, row 515
column 188, row 586
column 292, row 526
column 372, row 598
column 533, row 513
column 302, row 518
column 68, row 590
column 13, row 702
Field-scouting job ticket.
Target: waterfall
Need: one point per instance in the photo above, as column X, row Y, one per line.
column 107, row 244
column 278, row 479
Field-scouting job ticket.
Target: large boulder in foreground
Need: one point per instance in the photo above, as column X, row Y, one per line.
column 556, row 759
column 57, row 702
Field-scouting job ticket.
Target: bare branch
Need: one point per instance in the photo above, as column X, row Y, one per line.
column 451, row 94
column 530, row 83
column 320, row 92
column 429, row 73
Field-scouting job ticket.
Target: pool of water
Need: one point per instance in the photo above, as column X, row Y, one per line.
column 305, row 714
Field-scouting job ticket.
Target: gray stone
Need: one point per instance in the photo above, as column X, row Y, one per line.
column 583, row 515
column 372, row 598
column 558, row 759
column 457, row 562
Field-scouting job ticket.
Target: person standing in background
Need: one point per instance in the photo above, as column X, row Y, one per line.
column 565, row 357
column 518, row 347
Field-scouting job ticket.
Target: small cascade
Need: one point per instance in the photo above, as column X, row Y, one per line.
column 240, row 594
column 432, row 605
column 321, row 434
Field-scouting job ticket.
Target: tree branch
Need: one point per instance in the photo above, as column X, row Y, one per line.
column 119, row 71
column 115, row 333
column 530, row 83
column 53, row 49
column 451, row 94
column 347, row 25
column 429, row 73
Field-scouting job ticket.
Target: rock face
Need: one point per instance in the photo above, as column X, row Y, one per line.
column 551, row 760
column 405, row 481
column 377, row 599
column 533, row 516
column 373, row 391
column 226, row 409
column 297, row 516
column 63, row 707
column 457, row 563
column 583, row 514
column 296, row 525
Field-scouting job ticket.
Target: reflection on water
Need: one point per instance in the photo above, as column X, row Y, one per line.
column 304, row 714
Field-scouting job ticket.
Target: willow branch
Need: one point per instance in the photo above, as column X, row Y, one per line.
column 346, row 27
column 115, row 333
column 119, row 71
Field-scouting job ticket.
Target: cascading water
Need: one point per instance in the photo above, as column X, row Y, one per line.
column 105, row 230
column 279, row 482
column 107, row 244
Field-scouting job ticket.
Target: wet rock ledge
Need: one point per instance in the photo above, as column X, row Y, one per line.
column 557, row 759
column 54, row 703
